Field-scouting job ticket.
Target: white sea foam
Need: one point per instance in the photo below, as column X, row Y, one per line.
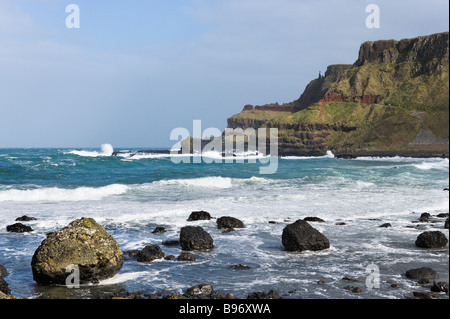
column 208, row 182
column 106, row 150
column 329, row 154
column 54, row 194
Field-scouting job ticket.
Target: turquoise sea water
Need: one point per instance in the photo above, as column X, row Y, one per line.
column 130, row 196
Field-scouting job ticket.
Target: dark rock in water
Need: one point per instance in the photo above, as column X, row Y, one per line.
column 203, row 289
column 446, row 224
column 422, row 273
column 440, row 287
column 446, row 189
column 159, row 230
column 442, row 215
column 321, row 282
column 301, row 236
column 195, row 238
column 83, row 243
column 340, row 223
column 431, row 239
column 3, row 271
column 185, row 257
column 355, row 290
column 273, row 294
column 314, row 219
column 423, row 295
column 240, row 266
column 4, row 287
column 386, row 225
column 150, row 253
column 171, row 242
column 133, row 253
column 25, row 218
column 350, row 279
column 272, row 222
column 425, row 218
column 229, row 222
column 170, row 257
column 200, row 215
column 19, row 228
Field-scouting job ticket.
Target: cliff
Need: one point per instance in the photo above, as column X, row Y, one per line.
column 394, row 100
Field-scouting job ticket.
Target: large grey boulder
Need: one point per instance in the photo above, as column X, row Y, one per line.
column 301, row 236
column 83, row 243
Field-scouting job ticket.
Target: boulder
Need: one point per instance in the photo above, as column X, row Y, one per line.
column 240, row 266
column 314, row 219
column 4, row 286
column 446, row 224
column 422, row 273
column 425, row 217
column 150, row 253
column 199, row 215
column 185, row 257
column 386, row 225
column 431, row 239
column 301, row 236
column 83, row 243
column 273, row 294
column 195, row 238
column 159, row 230
column 203, row 290
column 229, row 222
column 18, row 228
column 3, row 271
column 440, row 287
column 25, row 218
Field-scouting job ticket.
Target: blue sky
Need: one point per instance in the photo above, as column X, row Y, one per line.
column 137, row 69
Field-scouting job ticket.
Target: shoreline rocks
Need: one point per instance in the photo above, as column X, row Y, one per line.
column 150, row 253
column 18, row 228
column 83, row 243
column 195, row 238
column 431, row 239
column 227, row 222
column 422, row 273
column 301, row 236
column 199, row 215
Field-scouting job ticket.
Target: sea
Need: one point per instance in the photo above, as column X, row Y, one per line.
column 132, row 195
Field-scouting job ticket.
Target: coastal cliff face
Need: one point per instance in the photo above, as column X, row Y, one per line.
column 394, row 100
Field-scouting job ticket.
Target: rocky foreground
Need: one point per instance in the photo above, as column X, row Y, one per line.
column 97, row 256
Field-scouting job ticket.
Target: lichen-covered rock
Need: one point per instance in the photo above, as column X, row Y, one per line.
column 83, row 243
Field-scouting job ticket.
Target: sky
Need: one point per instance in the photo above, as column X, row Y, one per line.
column 135, row 70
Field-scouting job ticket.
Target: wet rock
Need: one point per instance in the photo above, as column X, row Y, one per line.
column 132, row 253
column 195, row 238
column 185, row 257
column 199, row 215
column 350, row 279
column 4, row 287
column 425, row 218
column 355, row 290
column 314, row 219
column 240, row 266
column 423, row 295
column 203, row 289
column 170, row 257
column 150, row 253
column 83, row 243
column 229, row 222
column 171, row 242
column 431, row 239
column 159, row 230
column 340, row 224
column 18, row 228
column 272, row 222
column 273, row 294
column 446, row 224
column 386, row 225
column 440, row 287
column 301, row 236
column 442, row 215
column 25, row 218
column 422, row 273
column 3, row 271
column 321, row 282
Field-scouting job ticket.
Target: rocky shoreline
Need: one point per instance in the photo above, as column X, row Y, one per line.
column 87, row 245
